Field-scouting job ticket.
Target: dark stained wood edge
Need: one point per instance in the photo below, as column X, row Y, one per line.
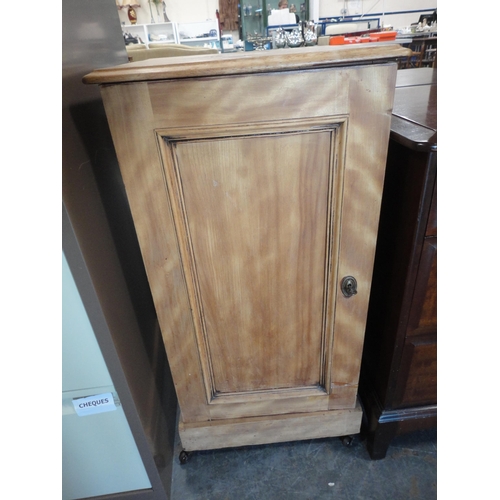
column 380, row 426
column 245, row 62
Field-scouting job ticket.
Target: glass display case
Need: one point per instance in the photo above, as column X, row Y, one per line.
column 254, row 16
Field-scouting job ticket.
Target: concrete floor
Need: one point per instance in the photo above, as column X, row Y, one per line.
column 310, row 470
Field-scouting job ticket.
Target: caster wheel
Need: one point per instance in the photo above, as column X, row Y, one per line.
column 347, row 441
column 183, row 457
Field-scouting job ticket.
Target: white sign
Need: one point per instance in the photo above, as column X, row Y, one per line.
column 91, row 405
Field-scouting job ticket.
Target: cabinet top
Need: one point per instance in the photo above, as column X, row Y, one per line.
column 247, row 62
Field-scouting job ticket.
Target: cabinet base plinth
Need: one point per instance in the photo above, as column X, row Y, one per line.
column 269, row 429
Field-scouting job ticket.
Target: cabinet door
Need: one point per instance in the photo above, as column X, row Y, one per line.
column 250, row 210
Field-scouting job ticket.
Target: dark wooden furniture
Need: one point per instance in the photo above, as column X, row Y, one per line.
column 423, row 51
column 398, row 375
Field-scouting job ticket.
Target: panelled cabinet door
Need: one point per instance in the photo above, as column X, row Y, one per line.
column 257, row 214
column 253, row 197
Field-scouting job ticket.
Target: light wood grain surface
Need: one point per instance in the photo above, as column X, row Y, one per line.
column 277, row 429
column 253, row 196
column 252, row 62
column 257, row 211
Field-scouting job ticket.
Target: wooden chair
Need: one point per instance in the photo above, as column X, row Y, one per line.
column 414, row 60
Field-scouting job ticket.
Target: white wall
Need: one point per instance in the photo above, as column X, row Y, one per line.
column 179, row 12
column 201, row 10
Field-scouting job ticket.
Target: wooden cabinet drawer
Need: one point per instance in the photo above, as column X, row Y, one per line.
column 423, row 313
column 418, row 380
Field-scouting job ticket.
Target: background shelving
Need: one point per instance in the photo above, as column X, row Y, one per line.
column 194, row 34
column 153, row 33
column 199, row 34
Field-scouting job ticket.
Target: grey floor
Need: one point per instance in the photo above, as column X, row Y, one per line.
column 310, row 470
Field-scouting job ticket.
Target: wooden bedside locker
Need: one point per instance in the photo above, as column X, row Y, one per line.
column 255, row 180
